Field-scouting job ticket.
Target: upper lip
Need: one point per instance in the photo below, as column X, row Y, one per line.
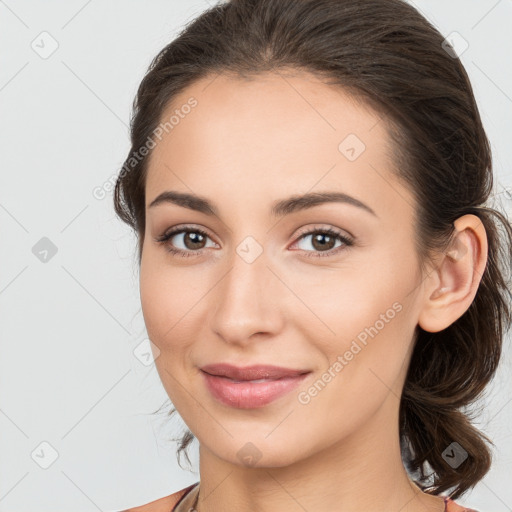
column 254, row 372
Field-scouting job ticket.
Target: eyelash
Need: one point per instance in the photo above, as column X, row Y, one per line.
column 348, row 241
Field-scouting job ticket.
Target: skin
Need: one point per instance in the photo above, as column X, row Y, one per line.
column 245, row 145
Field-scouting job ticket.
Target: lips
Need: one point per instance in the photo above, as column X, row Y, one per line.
column 251, row 373
column 250, row 387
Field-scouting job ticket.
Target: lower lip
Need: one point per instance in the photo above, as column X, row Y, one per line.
column 247, row 394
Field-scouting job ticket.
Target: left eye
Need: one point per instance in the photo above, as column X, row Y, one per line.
column 322, row 240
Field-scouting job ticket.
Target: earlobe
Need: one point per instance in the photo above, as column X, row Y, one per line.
column 453, row 284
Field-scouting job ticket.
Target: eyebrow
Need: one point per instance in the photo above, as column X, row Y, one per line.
column 279, row 208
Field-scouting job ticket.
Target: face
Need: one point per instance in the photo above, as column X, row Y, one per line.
column 328, row 287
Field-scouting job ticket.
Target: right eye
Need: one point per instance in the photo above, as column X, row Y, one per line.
column 191, row 238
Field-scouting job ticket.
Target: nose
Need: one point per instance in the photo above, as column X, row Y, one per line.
column 248, row 300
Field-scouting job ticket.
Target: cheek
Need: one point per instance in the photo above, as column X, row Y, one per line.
column 363, row 314
column 159, row 295
column 168, row 325
column 364, row 363
column 172, row 298
column 341, row 303
column 153, row 307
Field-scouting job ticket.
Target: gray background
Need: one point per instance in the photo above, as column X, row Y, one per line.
column 71, row 326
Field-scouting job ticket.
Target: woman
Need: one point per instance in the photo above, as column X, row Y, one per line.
column 319, row 271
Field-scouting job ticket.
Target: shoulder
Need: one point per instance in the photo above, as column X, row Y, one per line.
column 165, row 504
column 452, row 506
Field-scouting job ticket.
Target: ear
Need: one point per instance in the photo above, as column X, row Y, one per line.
column 451, row 287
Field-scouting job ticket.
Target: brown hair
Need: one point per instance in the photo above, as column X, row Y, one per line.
column 388, row 55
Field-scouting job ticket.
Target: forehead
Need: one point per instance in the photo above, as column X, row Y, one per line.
column 271, row 135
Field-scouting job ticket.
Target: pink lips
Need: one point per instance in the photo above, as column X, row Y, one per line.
column 235, row 386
